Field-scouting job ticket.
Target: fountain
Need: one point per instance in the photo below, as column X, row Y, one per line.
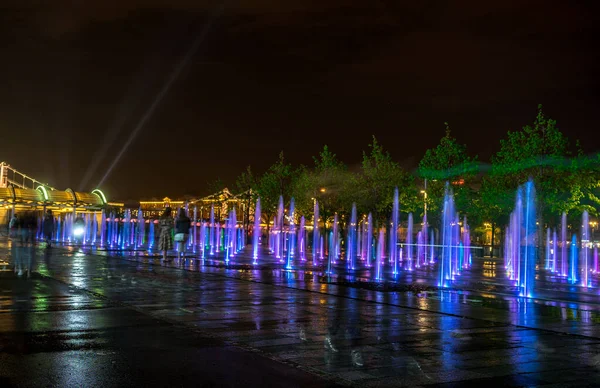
column 431, row 245
column 291, row 235
column 141, row 228
column 278, row 230
column 229, row 236
column 363, row 240
column 58, row 228
column 585, row 251
column 272, row 235
column 203, row 243
column 333, row 241
column 448, row 217
column 233, row 232
column 369, row 244
column 351, row 240
column 466, row 244
column 420, row 249
column 115, row 230
column 127, row 229
column 315, row 232
column 563, row 233
column 151, row 234
column 409, row 243
column 574, row 262
column 394, row 224
column 302, row 239
column 359, row 241
column 424, row 236
column 212, row 237
column 218, row 237
column 521, row 235
column 380, row 255
column 256, row 231
column 194, row 237
column 554, row 251
column 94, row 234
column 547, row 266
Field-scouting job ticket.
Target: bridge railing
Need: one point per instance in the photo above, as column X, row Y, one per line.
column 9, row 175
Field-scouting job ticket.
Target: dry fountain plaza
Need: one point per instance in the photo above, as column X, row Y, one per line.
column 98, row 317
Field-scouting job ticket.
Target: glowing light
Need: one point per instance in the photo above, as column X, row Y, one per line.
column 44, row 191
column 100, row 194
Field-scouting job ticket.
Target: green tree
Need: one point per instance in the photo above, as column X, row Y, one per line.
column 540, row 152
column 448, row 162
column 331, row 186
column 275, row 182
column 375, row 185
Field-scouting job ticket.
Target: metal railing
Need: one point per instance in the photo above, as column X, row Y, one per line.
column 11, row 176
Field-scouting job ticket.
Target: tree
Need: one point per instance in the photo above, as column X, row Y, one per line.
column 275, row 182
column 540, row 152
column 448, row 161
column 379, row 176
column 493, row 205
column 327, row 183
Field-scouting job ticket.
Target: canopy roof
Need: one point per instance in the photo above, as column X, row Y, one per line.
column 48, row 197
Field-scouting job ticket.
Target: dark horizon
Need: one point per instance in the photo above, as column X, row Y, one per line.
column 267, row 77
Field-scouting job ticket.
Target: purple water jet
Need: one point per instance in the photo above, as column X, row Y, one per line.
column 380, row 255
column 394, row 225
column 256, row 231
column 351, row 240
column 315, row 232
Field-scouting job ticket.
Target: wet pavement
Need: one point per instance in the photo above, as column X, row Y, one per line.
column 87, row 319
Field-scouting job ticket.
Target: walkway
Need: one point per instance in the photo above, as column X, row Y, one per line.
column 183, row 315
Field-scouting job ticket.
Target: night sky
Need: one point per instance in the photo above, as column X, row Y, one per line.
column 265, row 75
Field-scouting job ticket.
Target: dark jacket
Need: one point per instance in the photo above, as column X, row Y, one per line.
column 183, row 225
column 48, row 224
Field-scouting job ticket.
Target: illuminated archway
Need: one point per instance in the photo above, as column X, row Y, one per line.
column 100, row 195
column 72, row 192
column 43, row 190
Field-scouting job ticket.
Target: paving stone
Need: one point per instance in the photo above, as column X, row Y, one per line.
column 404, row 339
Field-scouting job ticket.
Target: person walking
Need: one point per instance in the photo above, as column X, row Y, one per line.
column 182, row 232
column 13, row 227
column 165, row 238
column 48, row 228
column 25, row 257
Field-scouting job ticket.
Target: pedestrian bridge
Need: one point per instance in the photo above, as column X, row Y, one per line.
column 19, row 192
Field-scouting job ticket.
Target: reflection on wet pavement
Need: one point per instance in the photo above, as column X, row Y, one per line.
column 430, row 338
